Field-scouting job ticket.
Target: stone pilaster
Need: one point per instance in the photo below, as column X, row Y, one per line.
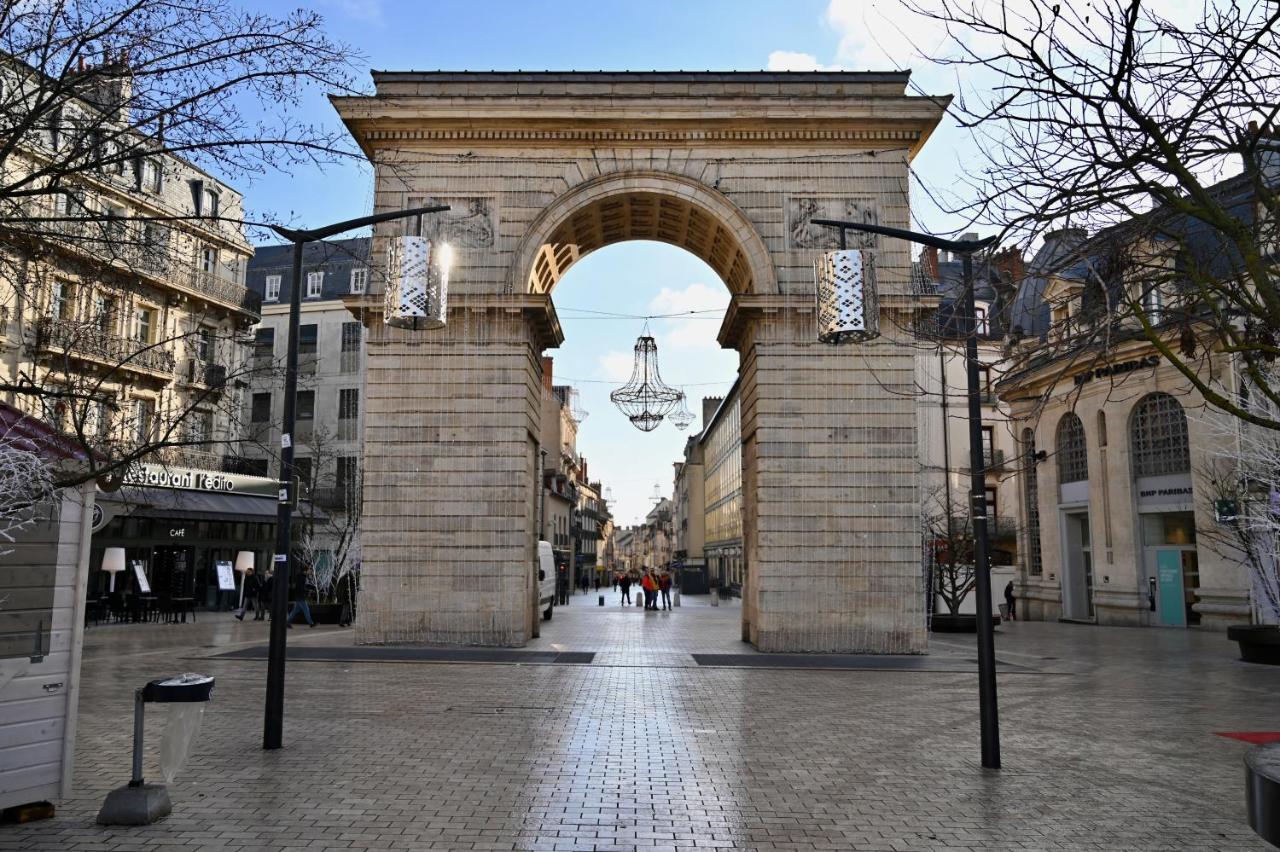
column 450, row 480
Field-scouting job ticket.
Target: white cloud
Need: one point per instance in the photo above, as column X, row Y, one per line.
column 615, row 366
column 695, row 332
column 790, row 60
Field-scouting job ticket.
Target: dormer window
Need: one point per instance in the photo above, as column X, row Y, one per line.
column 315, row 283
column 1153, row 304
column 359, row 280
column 980, row 323
column 149, row 176
column 211, row 203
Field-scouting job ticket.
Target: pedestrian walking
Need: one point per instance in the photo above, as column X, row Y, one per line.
column 624, row 583
column 664, row 586
column 302, row 586
column 1010, row 602
column 252, row 595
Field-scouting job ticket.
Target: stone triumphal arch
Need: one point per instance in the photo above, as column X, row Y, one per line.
column 541, row 169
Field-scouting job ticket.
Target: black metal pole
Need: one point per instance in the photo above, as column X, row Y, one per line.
column 273, row 723
column 987, row 706
column 273, row 719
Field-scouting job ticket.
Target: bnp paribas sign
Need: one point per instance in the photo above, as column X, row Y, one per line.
column 187, row 479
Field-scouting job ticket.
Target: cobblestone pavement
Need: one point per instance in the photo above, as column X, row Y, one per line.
column 1108, row 739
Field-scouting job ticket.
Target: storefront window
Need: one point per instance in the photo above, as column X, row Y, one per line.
column 1169, row 528
column 1073, row 459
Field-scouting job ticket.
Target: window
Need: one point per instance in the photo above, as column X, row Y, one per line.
column 60, row 300
column 205, row 343
column 1073, row 461
column 1031, row 500
column 305, row 405
column 1152, row 304
column 991, row 507
column 302, row 470
column 209, row 260
column 348, row 404
column 155, row 236
column 308, row 337
column 115, row 228
column 980, row 324
column 144, row 415
column 144, row 325
column 212, row 203
column 200, row 427
column 347, row 478
column 104, row 312
column 260, row 411
column 988, row 445
column 351, row 337
column 264, row 343
column 359, row 280
column 315, row 281
column 984, row 383
column 1158, row 437
column 272, row 288
column 95, row 418
column 149, row 176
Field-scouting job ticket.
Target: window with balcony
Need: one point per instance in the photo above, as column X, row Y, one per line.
column 144, row 416
column 271, row 288
column 308, row 339
column 351, row 337
column 104, row 313
column 205, row 343
column 209, row 260
column 359, row 280
column 264, row 343
column 144, row 325
column 348, row 403
column 305, row 405
column 155, row 244
column 200, row 427
column 260, row 408
column 60, row 300
column 315, row 283
column 115, row 228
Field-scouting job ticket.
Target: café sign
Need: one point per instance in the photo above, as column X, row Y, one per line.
column 161, row 476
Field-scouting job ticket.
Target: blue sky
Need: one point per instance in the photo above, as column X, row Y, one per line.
column 632, row 278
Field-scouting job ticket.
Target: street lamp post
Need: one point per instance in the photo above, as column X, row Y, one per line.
column 987, row 705
column 273, row 721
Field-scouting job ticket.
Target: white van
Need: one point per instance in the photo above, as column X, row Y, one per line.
column 546, row 569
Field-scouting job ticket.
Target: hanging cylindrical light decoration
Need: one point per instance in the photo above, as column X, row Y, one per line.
column 848, row 308
column 417, row 282
column 645, row 398
column 682, row 416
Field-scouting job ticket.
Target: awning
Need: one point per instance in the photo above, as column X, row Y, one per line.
column 200, row 505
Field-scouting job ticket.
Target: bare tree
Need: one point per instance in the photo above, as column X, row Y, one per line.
column 1115, row 118
column 114, row 117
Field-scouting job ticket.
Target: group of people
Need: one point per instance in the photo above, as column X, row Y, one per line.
column 259, row 590
column 652, row 583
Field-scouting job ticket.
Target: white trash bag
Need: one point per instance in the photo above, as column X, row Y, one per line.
column 179, row 734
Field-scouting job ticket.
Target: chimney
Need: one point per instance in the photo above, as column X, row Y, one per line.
column 582, row 469
column 929, row 263
column 546, row 373
column 1009, row 263
column 709, row 406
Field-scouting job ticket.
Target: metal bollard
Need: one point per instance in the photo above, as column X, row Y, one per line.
column 601, row 600
column 675, row 596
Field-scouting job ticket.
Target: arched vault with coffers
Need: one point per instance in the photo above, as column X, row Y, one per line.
column 540, row 169
column 643, row 205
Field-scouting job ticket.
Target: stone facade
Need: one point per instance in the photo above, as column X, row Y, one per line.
column 718, row 164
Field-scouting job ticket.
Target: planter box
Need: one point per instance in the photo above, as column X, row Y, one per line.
column 1259, row 643
column 962, row 623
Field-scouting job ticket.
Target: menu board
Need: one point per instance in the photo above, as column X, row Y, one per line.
column 140, row 574
column 226, row 577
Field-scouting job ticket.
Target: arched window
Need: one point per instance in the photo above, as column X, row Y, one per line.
column 1031, row 502
column 1158, row 437
column 1073, row 460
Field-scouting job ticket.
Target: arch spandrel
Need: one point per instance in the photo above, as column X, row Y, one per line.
column 643, row 205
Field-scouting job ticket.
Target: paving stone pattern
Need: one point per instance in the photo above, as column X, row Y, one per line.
column 1107, row 734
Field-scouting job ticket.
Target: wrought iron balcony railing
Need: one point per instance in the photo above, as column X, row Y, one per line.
column 86, row 341
column 216, row 287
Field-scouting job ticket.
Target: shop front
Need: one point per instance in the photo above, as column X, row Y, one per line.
column 182, row 531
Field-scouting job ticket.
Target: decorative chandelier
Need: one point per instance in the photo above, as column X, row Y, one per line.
column 576, row 411
column 417, row 292
column 645, row 398
column 682, row 416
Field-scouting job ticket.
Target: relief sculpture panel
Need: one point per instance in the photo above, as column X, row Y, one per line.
column 806, row 235
column 468, row 224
